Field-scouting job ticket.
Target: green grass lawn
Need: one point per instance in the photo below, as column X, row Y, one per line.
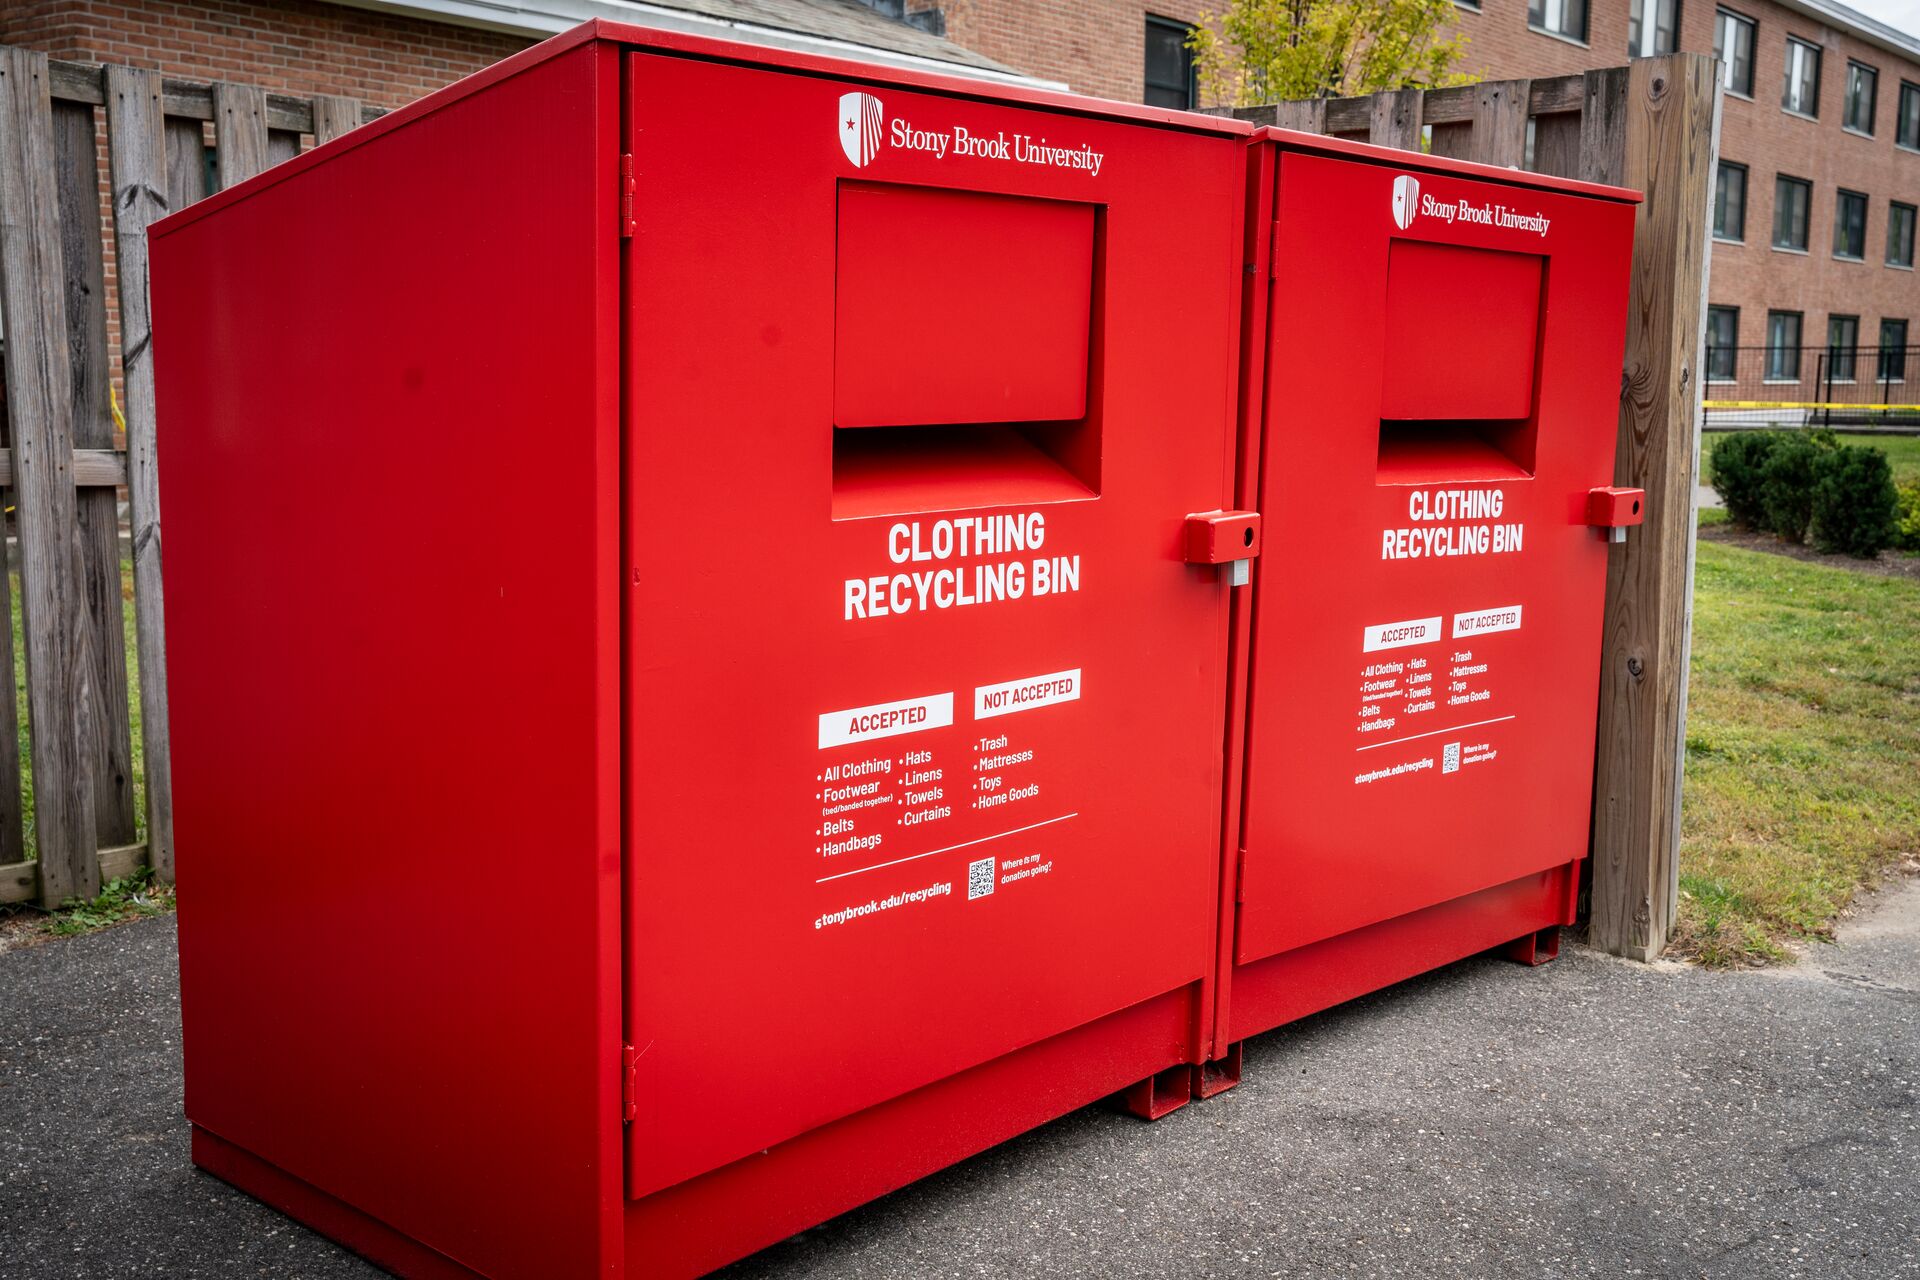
column 1903, row 452
column 1803, row 749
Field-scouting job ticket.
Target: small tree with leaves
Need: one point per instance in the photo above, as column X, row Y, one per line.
column 1262, row 51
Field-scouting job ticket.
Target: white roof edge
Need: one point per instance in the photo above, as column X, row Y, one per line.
column 535, row 20
column 1859, row 25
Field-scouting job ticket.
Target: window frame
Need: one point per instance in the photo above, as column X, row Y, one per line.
column 1540, row 27
column 1148, row 84
column 1913, row 232
column 1813, row 113
column 1752, row 26
column 1903, row 137
column 1673, row 32
column 1806, row 228
column 1731, row 348
column 1903, row 346
column 1840, row 197
column 1746, row 187
column 1851, row 349
column 1799, row 319
column 1872, row 74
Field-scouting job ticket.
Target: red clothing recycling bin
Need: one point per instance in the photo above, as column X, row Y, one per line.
column 691, row 703
column 1432, row 379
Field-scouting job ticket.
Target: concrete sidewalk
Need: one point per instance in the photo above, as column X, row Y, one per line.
column 1591, row 1118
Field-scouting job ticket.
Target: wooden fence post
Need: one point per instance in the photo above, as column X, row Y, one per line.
column 39, row 391
column 1659, row 120
column 1396, row 119
column 137, row 152
column 97, row 544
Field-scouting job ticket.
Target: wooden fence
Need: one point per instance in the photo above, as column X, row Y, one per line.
column 167, row 143
column 1653, row 126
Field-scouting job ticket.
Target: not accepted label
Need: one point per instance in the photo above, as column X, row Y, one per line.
column 991, row 700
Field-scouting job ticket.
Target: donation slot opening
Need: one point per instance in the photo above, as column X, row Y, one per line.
column 967, row 349
column 1460, row 372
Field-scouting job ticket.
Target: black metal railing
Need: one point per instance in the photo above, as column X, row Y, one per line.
column 1812, row 386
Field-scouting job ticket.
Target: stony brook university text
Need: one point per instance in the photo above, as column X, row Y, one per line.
column 999, row 564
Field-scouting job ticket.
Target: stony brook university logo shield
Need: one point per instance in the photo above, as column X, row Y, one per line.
column 860, row 121
column 1406, row 200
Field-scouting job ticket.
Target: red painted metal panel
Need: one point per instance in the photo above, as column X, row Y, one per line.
column 959, row 306
column 1423, row 684
column 389, row 410
column 869, row 711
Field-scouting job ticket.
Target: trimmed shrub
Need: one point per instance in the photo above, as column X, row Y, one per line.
column 1855, row 506
column 1906, row 526
column 1734, row 470
column 1786, row 482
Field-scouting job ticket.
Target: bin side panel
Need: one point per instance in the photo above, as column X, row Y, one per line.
column 882, row 835
column 389, row 426
column 1425, row 661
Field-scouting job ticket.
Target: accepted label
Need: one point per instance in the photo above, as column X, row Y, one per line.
column 1398, row 635
column 1023, row 695
column 885, row 720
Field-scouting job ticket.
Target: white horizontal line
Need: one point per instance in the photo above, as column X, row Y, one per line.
column 949, row 849
column 1429, row 733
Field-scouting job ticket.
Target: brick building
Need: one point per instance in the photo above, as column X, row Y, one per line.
column 1820, row 141
column 389, row 52
column 1820, row 144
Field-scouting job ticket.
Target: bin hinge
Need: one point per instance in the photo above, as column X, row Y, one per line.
column 629, row 1083
column 627, row 188
column 1224, row 537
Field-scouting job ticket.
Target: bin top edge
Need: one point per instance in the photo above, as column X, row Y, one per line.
column 707, row 48
column 1294, row 140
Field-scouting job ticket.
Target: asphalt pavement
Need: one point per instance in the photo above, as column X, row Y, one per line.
column 1589, row 1118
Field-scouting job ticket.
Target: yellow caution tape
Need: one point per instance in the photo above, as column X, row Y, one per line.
column 1808, row 404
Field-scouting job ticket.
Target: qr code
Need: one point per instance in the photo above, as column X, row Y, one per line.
column 1450, row 758
column 979, row 878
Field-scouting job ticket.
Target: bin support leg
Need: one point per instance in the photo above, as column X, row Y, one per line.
column 1218, row 1076
column 1159, row 1094
column 1534, row 948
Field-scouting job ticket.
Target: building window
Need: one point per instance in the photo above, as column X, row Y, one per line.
column 1900, row 220
column 1863, row 87
column 1723, row 340
column 1850, row 226
column 1802, row 93
column 1791, row 200
column 1783, row 346
column 1730, row 201
column 1565, row 18
column 1650, row 27
column 1733, row 45
column 1170, row 77
column 1893, row 351
column 1843, row 342
column 1906, row 129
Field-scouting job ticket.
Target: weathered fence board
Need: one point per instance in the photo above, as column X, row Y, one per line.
column 97, row 544
column 62, row 470
column 138, row 168
column 39, row 390
column 1653, row 127
column 239, row 131
column 333, row 116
